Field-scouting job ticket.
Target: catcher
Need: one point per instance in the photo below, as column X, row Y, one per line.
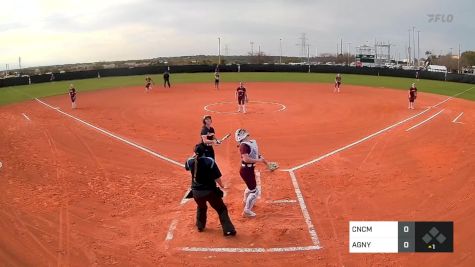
column 249, row 157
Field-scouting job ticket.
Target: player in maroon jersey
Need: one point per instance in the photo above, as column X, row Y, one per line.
column 72, row 95
column 241, row 97
column 148, row 84
column 337, row 83
column 412, row 96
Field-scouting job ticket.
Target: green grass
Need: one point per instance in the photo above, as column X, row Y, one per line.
column 15, row 94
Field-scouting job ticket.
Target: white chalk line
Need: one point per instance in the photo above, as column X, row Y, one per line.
column 377, row 133
column 185, row 200
column 249, row 250
column 140, row 147
column 303, row 207
column 453, row 97
column 171, row 229
column 455, row 120
column 26, row 117
column 424, row 121
column 282, row 107
column 358, row 141
column 281, row 201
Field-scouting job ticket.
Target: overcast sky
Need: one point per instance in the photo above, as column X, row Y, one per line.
column 47, row 32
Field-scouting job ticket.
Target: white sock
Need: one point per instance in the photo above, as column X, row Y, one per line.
column 251, row 199
column 246, row 194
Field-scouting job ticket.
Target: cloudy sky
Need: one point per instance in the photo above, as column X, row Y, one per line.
column 46, row 32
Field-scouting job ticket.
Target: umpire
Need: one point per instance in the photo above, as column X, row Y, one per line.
column 205, row 174
column 166, row 79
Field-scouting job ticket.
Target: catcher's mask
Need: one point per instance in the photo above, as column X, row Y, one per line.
column 240, row 135
column 200, row 150
column 206, row 117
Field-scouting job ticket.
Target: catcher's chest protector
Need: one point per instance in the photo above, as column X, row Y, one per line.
column 254, row 149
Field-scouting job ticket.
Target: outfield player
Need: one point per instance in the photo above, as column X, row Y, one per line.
column 241, row 97
column 148, row 84
column 205, row 174
column 166, row 79
column 412, row 96
column 72, row 95
column 216, row 79
column 337, row 83
column 208, row 136
column 249, row 157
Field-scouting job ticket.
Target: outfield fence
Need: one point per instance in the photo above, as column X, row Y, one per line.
column 234, row 68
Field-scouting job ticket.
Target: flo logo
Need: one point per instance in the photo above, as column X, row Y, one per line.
column 440, row 18
column 434, row 233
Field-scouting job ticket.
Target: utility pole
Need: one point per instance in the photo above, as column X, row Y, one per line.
column 219, row 51
column 409, row 48
column 259, row 55
column 414, row 44
column 308, row 57
column 252, row 48
column 418, row 49
column 303, row 45
column 280, row 57
column 458, row 61
column 348, row 56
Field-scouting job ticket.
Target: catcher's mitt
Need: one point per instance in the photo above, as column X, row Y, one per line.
column 272, row 166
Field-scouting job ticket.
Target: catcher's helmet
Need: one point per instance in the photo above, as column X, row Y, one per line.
column 206, row 117
column 240, row 135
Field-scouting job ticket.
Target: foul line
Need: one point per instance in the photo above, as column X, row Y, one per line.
column 26, row 117
column 249, row 250
column 376, row 133
column 140, row 147
column 359, row 141
column 303, row 207
column 453, row 97
column 455, row 120
column 424, row 121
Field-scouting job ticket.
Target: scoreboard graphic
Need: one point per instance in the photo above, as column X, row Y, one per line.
column 396, row 237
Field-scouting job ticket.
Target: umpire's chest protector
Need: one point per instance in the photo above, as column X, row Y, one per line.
column 254, row 149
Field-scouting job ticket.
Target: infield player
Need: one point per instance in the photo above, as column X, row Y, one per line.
column 241, row 97
column 72, row 95
column 216, row 79
column 205, row 174
column 208, row 136
column 412, row 95
column 337, row 83
column 148, row 84
column 249, row 157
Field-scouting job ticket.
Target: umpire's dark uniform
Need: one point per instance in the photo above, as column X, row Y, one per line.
column 204, row 190
column 166, row 79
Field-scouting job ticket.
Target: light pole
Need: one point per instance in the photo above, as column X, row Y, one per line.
column 280, row 58
column 252, row 48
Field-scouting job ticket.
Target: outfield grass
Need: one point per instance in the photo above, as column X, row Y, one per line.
column 15, row 94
